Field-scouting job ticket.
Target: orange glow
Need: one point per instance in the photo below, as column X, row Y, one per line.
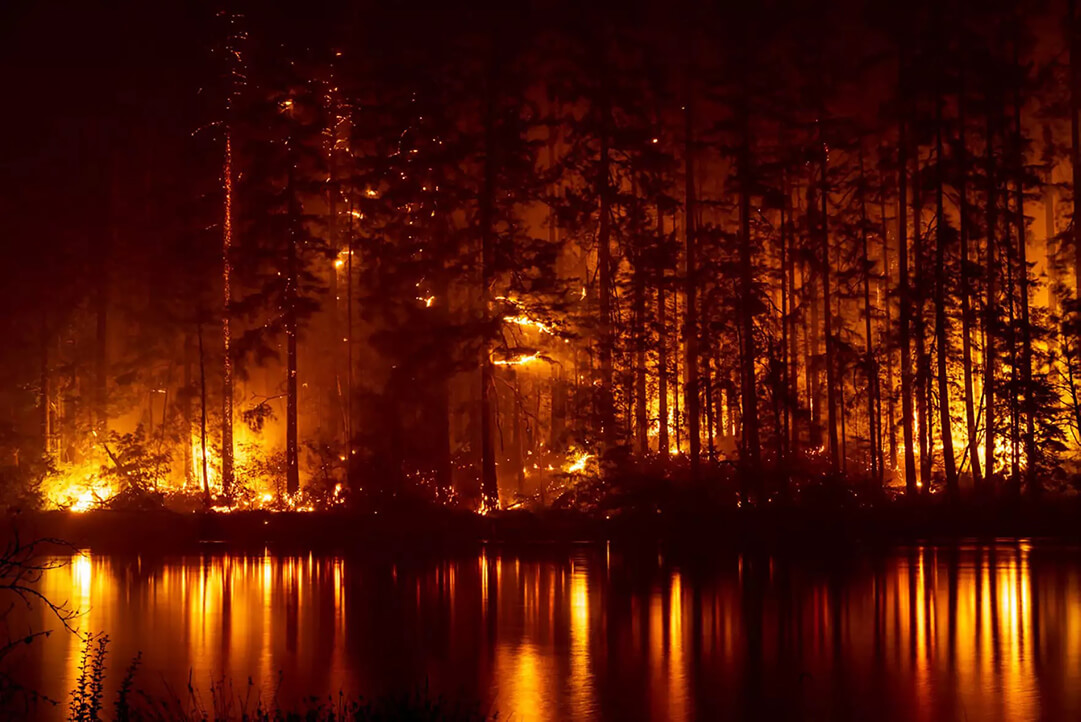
column 78, row 487
column 983, row 618
column 527, row 322
column 518, row 360
column 579, row 463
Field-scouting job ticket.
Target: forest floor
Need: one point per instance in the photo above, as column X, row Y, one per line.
column 438, row 529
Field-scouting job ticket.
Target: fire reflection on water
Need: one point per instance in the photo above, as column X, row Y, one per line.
column 987, row 632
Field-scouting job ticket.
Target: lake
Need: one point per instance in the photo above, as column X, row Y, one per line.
column 970, row 631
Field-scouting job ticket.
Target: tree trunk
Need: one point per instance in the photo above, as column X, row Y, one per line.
column 441, row 424
column 202, row 419
column 641, row 413
column 990, row 305
column 292, row 443
column 1075, row 135
column 707, row 395
column 662, row 343
column 1009, row 287
column 186, row 412
column 489, row 486
column 1032, row 480
column 1051, row 240
column 787, row 430
column 884, row 296
column 751, row 447
column 810, row 326
column 870, row 366
column 235, row 72
column 690, row 333
column 349, row 378
column 941, row 330
column 905, row 320
column 558, row 384
column 101, row 341
column 45, row 382
column 966, row 291
column 827, row 316
column 923, row 359
column 516, row 446
column 676, row 388
column 604, row 276
column 226, row 329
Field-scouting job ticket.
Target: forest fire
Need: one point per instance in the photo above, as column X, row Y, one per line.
column 77, row 489
column 400, row 287
column 573, row 354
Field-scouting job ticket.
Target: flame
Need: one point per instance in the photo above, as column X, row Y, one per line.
column 81, row 487
column 91, row 497
column 518, row 360
column 78, row 487
column 527, row 322
column 523, row 319
column 578, row 464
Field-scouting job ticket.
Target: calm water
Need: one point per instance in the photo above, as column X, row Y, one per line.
column 971, row 632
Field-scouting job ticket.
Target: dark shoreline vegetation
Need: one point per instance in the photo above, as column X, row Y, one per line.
column 680, row 523
column 222, row 700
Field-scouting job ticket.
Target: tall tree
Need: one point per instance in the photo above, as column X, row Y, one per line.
column 941, row 328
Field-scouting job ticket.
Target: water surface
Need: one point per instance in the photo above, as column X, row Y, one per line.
column 988, row 632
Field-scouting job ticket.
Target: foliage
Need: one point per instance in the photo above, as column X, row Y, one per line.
column 138, row 464
column 86, row 697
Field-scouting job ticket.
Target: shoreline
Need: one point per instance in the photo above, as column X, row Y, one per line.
column 442, row 530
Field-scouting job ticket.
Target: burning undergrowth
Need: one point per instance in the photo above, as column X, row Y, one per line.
column 132, row 471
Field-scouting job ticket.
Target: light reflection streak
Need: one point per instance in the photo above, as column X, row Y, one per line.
column 581, row 673
column 954, row 634
column 677, row 673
